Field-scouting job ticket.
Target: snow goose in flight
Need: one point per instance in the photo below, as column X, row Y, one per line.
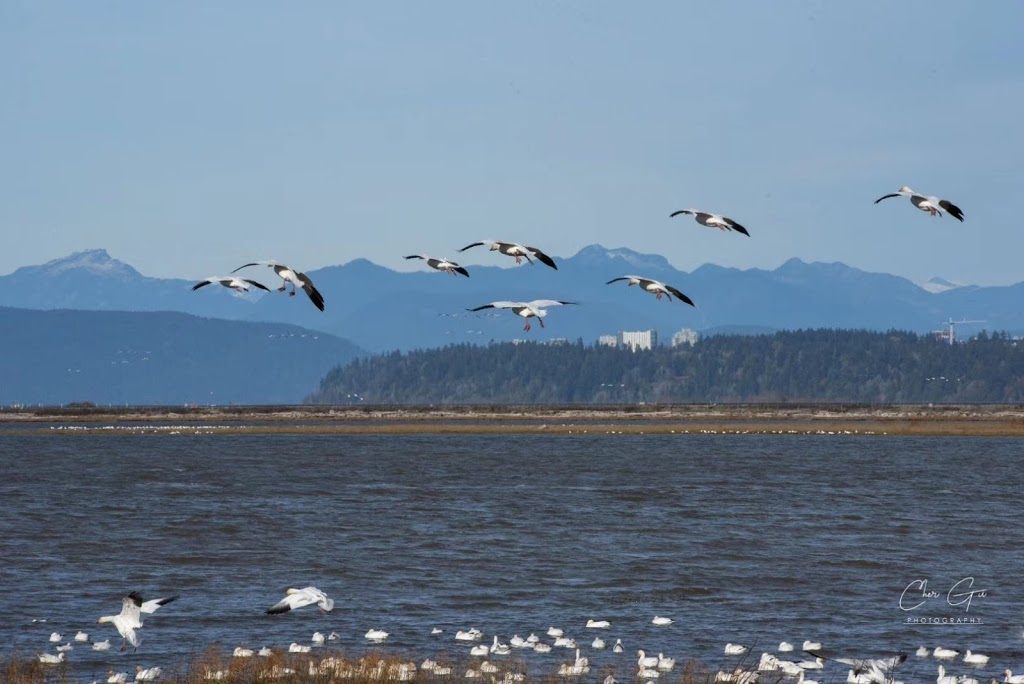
column 292, row 276
column 231, row 282
column 932, row 205
column 130, row 617
column 712, row 220
column 655, row 287
column 300, row 598
column 516, row 250
column 535, row 309
column 445, row 265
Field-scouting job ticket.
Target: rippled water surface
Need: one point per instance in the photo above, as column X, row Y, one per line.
column 742, row 538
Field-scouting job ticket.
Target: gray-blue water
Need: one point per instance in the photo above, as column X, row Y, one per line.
column 738, row 538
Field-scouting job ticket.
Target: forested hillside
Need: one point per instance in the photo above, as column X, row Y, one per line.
column 796, row 366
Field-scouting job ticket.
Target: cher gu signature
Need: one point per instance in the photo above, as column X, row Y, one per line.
column 962, row 593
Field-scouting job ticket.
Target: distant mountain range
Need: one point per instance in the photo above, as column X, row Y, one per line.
column 111, row 357
column 380, row 309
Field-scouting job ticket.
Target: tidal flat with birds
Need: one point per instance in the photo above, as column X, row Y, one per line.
column 745, row 539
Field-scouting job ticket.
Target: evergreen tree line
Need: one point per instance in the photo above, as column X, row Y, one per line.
column 794, row 366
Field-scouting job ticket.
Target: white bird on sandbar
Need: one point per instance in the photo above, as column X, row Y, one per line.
column 130, row 618
column 712, row 220
column 535, row 309
column 516, row 250
column 933, row 205
column 655, row 287
column 292, row 276
column 445, row 265
column 300, row 598
column 231, row 282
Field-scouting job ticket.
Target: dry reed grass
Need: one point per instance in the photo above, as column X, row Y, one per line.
column 333, row 667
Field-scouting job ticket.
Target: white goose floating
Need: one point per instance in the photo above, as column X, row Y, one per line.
column 232, row 283
column 933, row 205
column 445, row 265
column 655, row 287
column 300, row 598
column 535, row 309
column 516, row 250
column 712, row 220
column 292, row 276
column 130, row 617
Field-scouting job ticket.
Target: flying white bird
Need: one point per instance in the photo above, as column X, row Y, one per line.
column 292, row 276
column 130, row 617
column 231, row 282
column 441, row 264
column 535, row 309
column 712, row 220
column 516, row 250
column 933, row 205
column 655, row 287
column 299, row 598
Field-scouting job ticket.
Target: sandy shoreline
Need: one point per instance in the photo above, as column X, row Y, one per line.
column 944, row 420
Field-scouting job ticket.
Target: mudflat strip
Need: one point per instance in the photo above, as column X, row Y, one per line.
column 943, row 420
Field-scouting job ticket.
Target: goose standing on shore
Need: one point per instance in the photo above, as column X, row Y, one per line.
column 535, row 309
column 441, row 264
column 712, row 220
column 292, row 276
column 655, row 287
column 516, row 250
column 933, row 205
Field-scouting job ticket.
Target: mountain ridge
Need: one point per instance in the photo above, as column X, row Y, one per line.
column 379, row 308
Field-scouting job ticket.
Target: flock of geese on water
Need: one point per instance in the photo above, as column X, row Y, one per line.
column 538, row 308
column 649, row 667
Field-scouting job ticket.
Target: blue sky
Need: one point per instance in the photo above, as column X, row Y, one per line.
column 187, row 138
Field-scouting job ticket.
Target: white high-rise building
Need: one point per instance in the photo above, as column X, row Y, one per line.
column 685, row 336
column 608, row 341
column 641, row 339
